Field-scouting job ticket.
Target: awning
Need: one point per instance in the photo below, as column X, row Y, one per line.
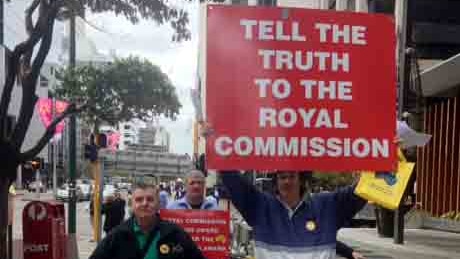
column 442, row 79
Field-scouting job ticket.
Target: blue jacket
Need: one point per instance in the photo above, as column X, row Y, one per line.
column 182, row 204
column 308, row 232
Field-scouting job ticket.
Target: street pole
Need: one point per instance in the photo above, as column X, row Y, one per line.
column 73, row 248
column 1, row 22
column 53, row 153
column 37, row 187
column 401, row 32
column 97, row 215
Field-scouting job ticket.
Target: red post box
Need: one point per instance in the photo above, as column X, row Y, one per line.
column 44, row 235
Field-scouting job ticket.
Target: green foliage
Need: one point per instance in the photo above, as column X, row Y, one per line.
column 160, row 11
column 119, row 91
column 330, row 181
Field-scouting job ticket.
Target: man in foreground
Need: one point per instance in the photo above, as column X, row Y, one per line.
column 145, row 235
column 195, row 183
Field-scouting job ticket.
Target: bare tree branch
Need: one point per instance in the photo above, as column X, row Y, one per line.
column 44, row 47
column 13, row 65
column 29, row 84
column 25, row 66
column 31, row 153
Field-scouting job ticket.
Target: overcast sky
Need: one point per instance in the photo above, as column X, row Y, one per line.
column 178, row 60
column 145, row 39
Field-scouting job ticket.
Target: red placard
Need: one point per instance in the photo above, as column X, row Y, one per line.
column 210, row 230
column 298, row 89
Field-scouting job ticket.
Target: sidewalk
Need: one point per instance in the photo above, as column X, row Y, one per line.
column 419, row 243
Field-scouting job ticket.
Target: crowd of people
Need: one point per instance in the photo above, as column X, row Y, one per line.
column 288, row 223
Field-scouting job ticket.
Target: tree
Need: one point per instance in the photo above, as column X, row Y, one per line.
column 26, row 61
column 119, row 91
column 332, row 180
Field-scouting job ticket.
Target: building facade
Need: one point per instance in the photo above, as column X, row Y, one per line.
column 128, row 134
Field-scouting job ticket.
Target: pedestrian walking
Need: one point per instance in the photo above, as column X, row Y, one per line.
column 114, row 211
column 179, row 189
column 164, row 197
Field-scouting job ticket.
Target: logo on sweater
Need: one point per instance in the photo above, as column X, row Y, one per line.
column 164, row 249
column 310, row 225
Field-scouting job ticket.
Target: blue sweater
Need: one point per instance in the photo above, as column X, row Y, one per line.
column 307, row 232
column 182, row 204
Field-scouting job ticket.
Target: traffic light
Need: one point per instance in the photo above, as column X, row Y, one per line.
column 100, row 140
column 37, row 163
column 91, row 152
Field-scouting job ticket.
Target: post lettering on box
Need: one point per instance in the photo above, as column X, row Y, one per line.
column 315, row 89
column 36, row 248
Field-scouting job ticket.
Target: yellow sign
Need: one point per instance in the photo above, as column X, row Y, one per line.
column 386, row 188
column 164, row 249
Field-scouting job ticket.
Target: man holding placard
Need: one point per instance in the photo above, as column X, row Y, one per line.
column 194, row 194
column 201, row 217
column 292, row 224
column 316, row 91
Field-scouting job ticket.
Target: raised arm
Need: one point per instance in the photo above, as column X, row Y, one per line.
column 348, row 204
column 247, row 199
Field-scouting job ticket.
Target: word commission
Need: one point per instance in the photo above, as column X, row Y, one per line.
column 302, row 147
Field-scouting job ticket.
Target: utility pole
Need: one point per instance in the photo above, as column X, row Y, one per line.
column 401, row 33
column 72, row 216
column 1, row 22
column 53, row 150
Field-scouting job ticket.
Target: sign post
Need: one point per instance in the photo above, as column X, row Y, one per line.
column 300, row 89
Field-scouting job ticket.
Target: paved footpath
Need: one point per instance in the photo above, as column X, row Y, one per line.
column 419, row 244
column 83, row 225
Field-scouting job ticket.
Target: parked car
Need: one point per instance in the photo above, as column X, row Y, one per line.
column 124, row 185
column 63, row 193
column 36, row 185
column 86, row 188
column 109, row 190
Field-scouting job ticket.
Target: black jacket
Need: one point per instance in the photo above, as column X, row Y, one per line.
column 114, row 213
column 121, row 243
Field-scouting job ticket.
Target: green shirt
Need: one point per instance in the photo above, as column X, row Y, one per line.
column 141, row 237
